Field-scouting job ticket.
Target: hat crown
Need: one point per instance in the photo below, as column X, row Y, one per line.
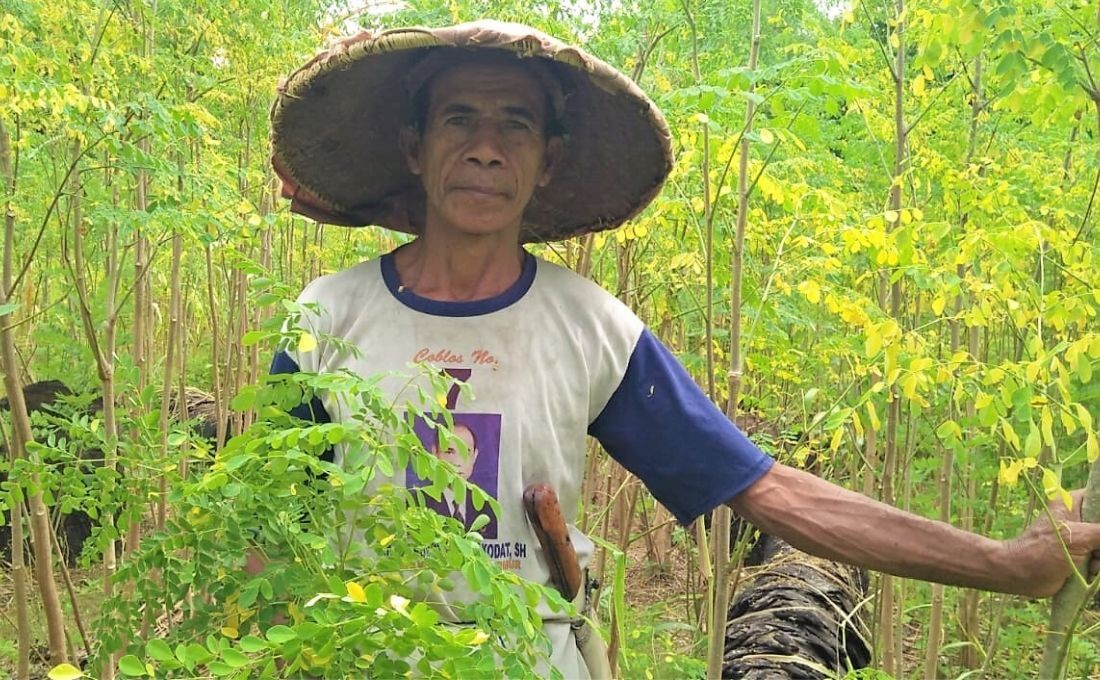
column 336, row 121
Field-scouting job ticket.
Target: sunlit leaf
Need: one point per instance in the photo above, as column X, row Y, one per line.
column 65, row 672
column 355, row 592
column 306, row 342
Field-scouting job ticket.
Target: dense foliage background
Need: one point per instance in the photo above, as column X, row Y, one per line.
column 919, row 278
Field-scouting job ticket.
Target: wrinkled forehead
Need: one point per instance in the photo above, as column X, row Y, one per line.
column 454, row 68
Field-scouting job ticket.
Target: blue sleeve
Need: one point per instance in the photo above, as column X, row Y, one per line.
column 659, row 425
column 313, row 409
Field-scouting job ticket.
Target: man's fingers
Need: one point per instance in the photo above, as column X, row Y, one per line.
column 1082, row 538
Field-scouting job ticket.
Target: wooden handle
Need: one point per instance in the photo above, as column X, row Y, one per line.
column 544, row 511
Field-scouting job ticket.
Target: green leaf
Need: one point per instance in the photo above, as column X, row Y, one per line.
column 423, row 615
column 159, row 650
column 4, row 311
column 131, row 665
column 1033, row 442
column 252, row 644
column 220, row 669
column 254, row 337
column 280, row 634
column 234, row 658
column 197, row 653
column 479, row 522
column 184, row 656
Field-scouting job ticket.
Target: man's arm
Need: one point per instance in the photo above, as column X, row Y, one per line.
column 823, row 519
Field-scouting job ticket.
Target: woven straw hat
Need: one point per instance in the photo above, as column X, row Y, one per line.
column 336, row 124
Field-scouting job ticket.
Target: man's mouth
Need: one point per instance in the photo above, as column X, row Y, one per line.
column 481, row 190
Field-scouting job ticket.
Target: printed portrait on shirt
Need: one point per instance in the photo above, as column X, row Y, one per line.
column 480, row 432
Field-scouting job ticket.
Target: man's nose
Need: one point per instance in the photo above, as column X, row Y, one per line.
column 485, row 146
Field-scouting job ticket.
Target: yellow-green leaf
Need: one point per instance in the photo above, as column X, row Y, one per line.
column 811, row 290
column 65, row 672
column 1067, row 500
column 1092, row 448
column 306, row 342
column 874, row 343
column 1010, row 434
column 838, row 437
column 919, row 86
column 766, row 136
column 1084, row 367
column 1033, row 442
column 355, row 592
column 872, row 414
column 1046, row 422
column 1010, row 472
column 909, row 385
column 230, row 632
column 1068, row 421
column 1084, row 416
column 1031, row 372
column 938, row 303
column 1051, row 484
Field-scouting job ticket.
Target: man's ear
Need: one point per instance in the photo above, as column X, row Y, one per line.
column 554, row 147
column 409, row 140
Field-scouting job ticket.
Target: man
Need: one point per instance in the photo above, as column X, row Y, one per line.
column 463, row 458
column 481, row 137
column 463, row 453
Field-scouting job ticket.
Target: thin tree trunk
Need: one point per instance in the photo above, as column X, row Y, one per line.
column 1067, row 604
column 215, row 350
column 40, row 521
column 74, row 602
column 169, row 375
column 946, row 475
column 719, row 529
column 22, row 435
column 722, row 516
column 103, row 353
column 969, row 620
column 18, row 556
column 890, row 661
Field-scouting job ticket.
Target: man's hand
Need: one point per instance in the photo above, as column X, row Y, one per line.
column 1039, row 554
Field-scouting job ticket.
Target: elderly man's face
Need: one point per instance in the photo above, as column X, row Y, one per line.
column 483, row 150
column 462, row 460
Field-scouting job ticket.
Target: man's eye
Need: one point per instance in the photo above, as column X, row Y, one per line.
column 517, row 125
column 459, row 121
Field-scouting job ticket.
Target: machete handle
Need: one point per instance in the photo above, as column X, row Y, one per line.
column 542, row 507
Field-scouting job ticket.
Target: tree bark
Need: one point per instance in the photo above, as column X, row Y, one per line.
column 722, row 517
column 22, row 435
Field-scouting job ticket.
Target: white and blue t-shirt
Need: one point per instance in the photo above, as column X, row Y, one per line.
column 549, row 361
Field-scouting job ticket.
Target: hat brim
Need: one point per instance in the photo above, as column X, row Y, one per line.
column 337, row 120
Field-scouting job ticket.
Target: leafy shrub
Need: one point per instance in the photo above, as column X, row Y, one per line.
column 350, row 558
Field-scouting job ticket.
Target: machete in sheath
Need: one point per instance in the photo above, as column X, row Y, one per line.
column 544, row 511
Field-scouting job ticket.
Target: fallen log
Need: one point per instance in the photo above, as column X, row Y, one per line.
column 797, row 616
column 71, row 529
column 74, row 527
